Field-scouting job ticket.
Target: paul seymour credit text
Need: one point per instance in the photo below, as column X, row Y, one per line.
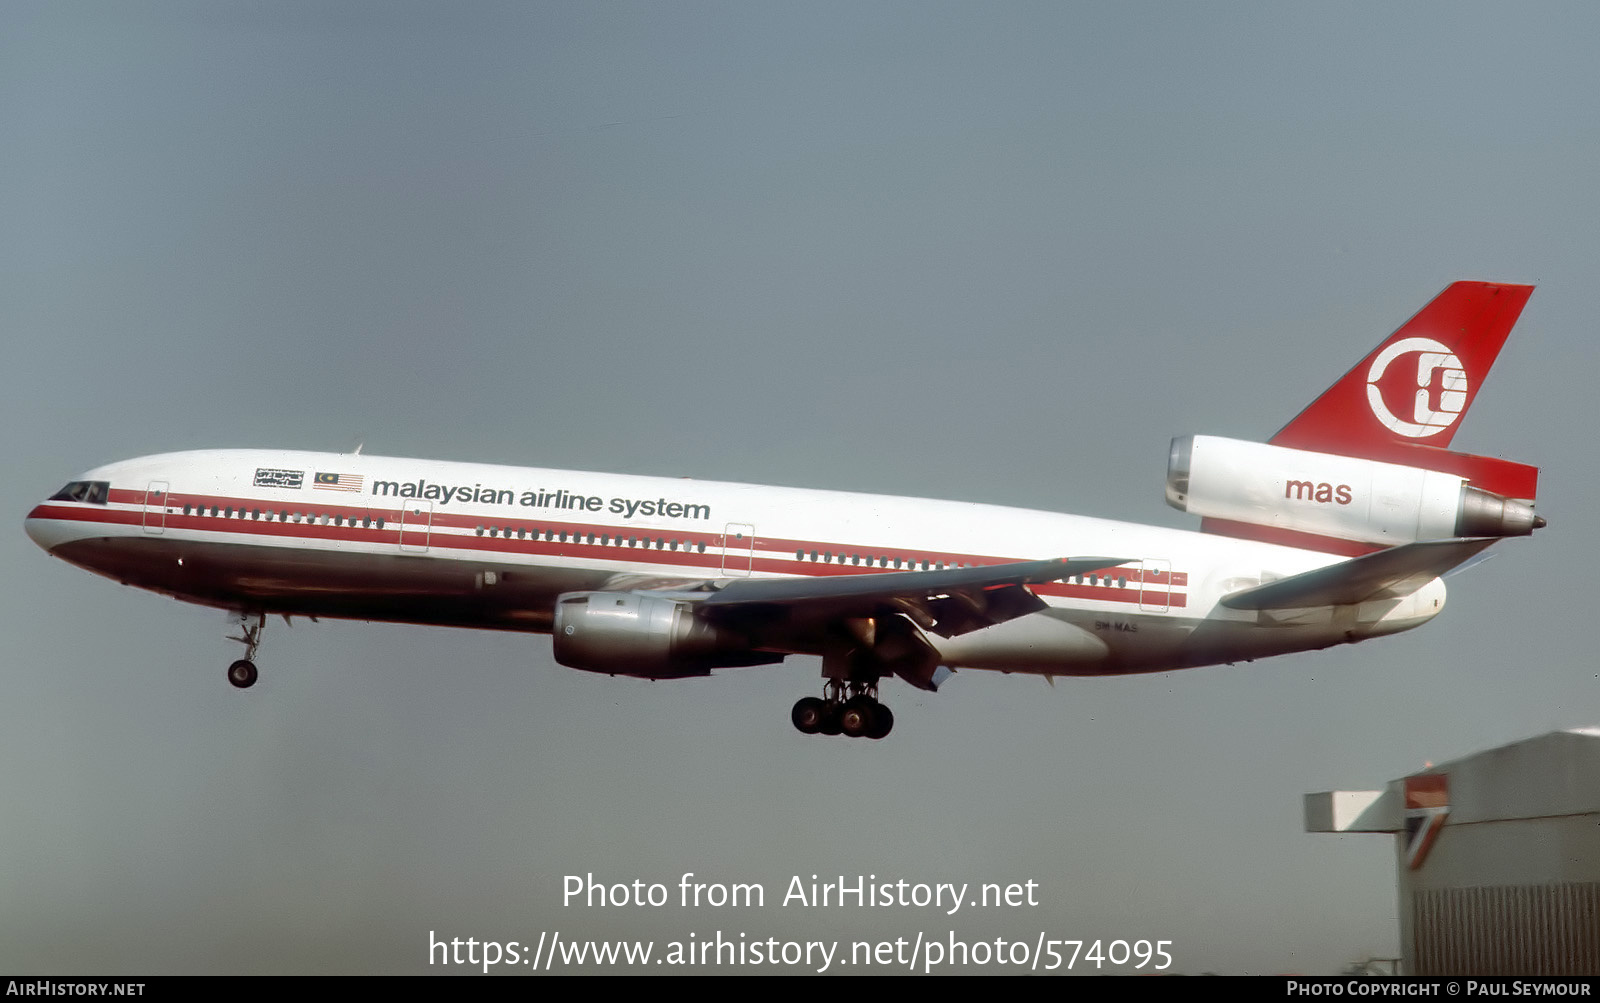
column 912, row 950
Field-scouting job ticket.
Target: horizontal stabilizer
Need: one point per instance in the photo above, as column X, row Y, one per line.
column 1387, row 574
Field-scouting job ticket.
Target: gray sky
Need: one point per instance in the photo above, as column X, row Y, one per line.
column 993, row 252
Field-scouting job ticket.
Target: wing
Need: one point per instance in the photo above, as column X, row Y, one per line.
column 950, row 602
column 865, row 626
column 1386, row 574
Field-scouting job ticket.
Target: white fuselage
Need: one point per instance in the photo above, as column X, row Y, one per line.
column 463, row 544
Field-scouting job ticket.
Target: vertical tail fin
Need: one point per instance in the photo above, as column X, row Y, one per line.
column 1403, row 402
column 1401, row 405
column 1415, row 387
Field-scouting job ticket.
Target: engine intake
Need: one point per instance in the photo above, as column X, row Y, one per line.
column 634, row 634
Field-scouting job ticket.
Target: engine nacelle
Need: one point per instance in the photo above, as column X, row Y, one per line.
column 653, row 637
column 1337, row 496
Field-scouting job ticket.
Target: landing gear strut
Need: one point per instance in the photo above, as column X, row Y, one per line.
column 243, row 672
column 848, row 708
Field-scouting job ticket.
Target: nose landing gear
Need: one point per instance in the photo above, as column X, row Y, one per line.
column 242, row 673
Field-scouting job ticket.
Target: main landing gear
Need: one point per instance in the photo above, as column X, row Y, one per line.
column 243, row 672
column 846, row 709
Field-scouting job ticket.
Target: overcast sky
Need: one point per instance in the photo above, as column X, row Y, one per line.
column 997, row 252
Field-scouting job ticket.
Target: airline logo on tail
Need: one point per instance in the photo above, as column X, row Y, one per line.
column 1404, row 401
column 1438, row 402
column 1399, row 406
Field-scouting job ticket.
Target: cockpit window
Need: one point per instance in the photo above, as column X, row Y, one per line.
column 93, row 492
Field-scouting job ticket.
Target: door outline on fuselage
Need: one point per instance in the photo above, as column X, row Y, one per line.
column 416, row 521
column 738, row 549
column 155, row 504
column 1155, row 596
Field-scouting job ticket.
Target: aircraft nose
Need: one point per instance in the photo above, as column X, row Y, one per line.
column 39, row 529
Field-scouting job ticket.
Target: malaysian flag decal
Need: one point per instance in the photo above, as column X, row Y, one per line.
column 338, row 482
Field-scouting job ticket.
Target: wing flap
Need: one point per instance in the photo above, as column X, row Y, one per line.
column 1386, row 574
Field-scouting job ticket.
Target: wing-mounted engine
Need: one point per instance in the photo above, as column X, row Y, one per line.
column 1344, row 497
column 650, row 636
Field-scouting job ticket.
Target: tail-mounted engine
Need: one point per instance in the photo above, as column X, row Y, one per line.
column 1338, row 496
column 636, row 634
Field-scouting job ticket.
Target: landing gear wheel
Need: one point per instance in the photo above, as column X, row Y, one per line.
column 847, row 707
column 830, row 720
column 882, row 722
column 809, row 714
column 856, row 717
column 242, row 673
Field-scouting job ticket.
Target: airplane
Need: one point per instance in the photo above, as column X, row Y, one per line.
column 1335, row 530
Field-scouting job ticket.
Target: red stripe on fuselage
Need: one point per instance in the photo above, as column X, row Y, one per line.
column 708, row 563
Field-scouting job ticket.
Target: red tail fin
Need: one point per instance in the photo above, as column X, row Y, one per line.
column 1413, row 388
column 1404, row 401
